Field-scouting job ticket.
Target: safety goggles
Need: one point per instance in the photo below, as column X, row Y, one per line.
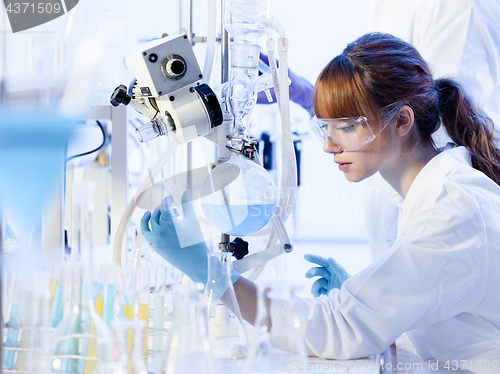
column 351, row 133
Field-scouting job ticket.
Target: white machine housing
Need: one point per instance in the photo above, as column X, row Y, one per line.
column 164, row 65
column 167, row 90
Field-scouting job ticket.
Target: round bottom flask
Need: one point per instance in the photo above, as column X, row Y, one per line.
column 239, row 197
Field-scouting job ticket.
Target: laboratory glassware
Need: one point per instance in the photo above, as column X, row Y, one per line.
column 27, row 314
column 161, row 316
column 239, row 196
column 246, row 20
column 227, row 328
column 82, row 341
column 278, row 340
column 17, row 302
column 189, row 349
column 243, row 78
column 83, row 205
column 127, row 342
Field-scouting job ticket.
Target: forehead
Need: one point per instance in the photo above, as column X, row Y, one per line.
column 341, row 98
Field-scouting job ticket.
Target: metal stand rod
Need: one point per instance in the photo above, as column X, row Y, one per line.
column 224, row 47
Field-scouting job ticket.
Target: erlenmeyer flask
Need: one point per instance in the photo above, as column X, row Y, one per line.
column 278, row 342
column 82, row 341
column 189, row 349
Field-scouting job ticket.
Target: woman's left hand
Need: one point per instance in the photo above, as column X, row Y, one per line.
column 331, row 274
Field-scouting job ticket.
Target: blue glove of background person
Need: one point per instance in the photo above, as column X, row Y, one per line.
column 331, row 274
column 301, row 91
column 181, row 243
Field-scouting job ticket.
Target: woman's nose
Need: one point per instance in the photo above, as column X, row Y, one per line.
column 329, row 146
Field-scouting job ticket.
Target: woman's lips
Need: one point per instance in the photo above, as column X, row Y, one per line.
column 343, row 166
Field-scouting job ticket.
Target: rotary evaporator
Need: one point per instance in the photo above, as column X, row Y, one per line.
column 238, row 195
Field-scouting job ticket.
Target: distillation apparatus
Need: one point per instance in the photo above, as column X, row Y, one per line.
column 238, row 196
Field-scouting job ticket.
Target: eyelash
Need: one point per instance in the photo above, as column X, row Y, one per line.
column 346, row 128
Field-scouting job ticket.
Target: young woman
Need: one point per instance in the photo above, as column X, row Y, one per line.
column 377, row 106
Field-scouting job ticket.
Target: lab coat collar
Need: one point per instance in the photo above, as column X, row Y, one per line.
column 450, row 158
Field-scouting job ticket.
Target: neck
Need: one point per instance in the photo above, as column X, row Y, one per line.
column 401, row 173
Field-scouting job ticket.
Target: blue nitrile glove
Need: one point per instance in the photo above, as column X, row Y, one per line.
column 331, row 274
column 181, row 243
column 301, row 91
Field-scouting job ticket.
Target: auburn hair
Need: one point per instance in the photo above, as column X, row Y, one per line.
column 379, row 69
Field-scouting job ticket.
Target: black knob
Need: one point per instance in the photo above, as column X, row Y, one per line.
column 211, row 104
column 239, row 248
column 120, row 96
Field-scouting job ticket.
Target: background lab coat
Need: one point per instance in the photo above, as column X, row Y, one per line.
column 439, row 280
column 459, row 39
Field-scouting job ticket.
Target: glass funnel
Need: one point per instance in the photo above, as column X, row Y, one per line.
column 239, row 197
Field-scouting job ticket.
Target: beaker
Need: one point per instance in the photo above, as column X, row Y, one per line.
column 239, row 196
column 278, row 341
column 189, row 349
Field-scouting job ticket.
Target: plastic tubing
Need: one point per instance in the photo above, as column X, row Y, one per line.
column 119, row 256
column 272, row 65
column 210, row 50
column 289, row 168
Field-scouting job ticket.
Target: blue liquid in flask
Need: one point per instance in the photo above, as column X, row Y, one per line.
column 239, row 220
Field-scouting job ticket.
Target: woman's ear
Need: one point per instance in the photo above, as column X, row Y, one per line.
column 405, row 120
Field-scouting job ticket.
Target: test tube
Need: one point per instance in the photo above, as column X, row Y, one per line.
column 159, row 314
column 110, row 294
column 17, row 294
column 143, row 308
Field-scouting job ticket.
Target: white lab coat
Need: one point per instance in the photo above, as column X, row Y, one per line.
column 459, row 39
column 439, row 281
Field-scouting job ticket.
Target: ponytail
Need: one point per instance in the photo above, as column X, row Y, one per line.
column 468, row 127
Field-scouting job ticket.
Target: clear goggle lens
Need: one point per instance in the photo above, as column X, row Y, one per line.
column 351, row 133
column 348, row 134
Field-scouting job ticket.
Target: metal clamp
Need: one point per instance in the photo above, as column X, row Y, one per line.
column 248, row 146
